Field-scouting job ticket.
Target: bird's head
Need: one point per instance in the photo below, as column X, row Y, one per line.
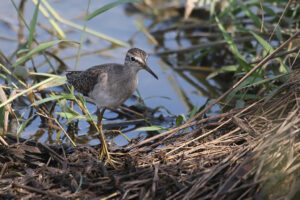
column 137, row 58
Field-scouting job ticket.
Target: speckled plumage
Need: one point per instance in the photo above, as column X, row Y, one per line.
column 109, row 85
column 84, row 81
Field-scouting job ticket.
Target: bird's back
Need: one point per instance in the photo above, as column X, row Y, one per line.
column 84, row 81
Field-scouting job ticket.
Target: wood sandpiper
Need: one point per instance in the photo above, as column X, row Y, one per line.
column 110, row 85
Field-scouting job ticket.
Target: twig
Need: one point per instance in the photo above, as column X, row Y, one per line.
column 184, row 27
column 262, row 15
column 57, row 157
column 186, row 125
column 36, row 190
column 206, row 45
column 296, row 57
column 60, row 126
column 4, row 168
column 154, row 181
column 132, row 111
column 277, row 55
column 199, row 137
column 3, row 141
column 284, row 11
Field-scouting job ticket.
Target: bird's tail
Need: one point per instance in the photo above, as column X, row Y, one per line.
column 72, row 76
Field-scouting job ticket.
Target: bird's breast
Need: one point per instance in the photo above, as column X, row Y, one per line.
column 113, row 93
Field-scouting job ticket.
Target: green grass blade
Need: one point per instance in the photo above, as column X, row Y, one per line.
column 228, row 38
column 33, row 24
column 107, row 7
column 152, row 128
column 23, row 126
column 180, row 119
column 260, row 82
column 82, row 38
column 247, row 96
column 278, row 34
column 27, row 90
column 79, row 27
column 283, row 68
column 60, row 33
column 240, row 103
column 42, row 74
column 55, row 97
column 8, row 80
column 228, row 68
column 41, row 47
column 58, row 81
column 11, row 74
column 250, row 14
column 2, row 116
column 69, row 115
column 234, row 92
column 193, row 112
column 232, row 45
column 263, row 42
column 275, row 92
column 145, row 30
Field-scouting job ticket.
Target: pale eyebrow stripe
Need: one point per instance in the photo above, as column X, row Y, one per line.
column 137, row 58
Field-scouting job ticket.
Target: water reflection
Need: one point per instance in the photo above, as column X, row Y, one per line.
column 178, row 90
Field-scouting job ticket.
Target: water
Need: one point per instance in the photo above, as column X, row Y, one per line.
column 177, row 92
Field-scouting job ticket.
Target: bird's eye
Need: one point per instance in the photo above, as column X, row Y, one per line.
column 132, row 58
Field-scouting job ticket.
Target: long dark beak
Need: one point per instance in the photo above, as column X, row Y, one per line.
column 150, row 71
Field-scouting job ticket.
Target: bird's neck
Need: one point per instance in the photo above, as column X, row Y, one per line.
column 132, row 69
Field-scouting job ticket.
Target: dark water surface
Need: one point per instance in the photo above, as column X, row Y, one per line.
column 175, row 91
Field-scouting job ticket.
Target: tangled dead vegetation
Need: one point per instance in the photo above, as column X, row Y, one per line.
column 251, row 153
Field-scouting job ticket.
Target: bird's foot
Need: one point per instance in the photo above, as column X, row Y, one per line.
column 104, row 152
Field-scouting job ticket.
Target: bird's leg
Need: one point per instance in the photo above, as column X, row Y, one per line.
column 104, row 149
column 100, row 117
column 102, row 136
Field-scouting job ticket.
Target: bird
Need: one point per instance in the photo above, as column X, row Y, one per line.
column 110, row 85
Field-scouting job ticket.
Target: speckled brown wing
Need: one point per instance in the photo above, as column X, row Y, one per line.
column 84, row 81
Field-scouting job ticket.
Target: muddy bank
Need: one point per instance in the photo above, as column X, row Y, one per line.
column 246, row 153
